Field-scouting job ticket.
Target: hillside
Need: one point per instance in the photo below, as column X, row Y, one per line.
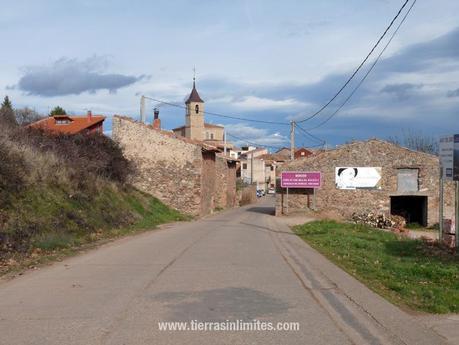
column 59, row 191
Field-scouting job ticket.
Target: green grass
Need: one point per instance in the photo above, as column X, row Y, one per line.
column 59, row 223
column 407, row 272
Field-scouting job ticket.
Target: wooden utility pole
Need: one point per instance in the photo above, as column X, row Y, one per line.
column 292, row 140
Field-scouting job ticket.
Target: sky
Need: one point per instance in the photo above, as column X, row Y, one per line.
column 257, row 59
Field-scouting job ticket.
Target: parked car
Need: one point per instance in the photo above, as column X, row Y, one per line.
column 260, row 193
column 271, row 191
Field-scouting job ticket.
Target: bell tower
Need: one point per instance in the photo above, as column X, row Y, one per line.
column 194, row 118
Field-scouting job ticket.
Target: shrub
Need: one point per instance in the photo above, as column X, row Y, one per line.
column 85, row 154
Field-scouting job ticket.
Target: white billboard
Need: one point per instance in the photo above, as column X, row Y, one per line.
column 358, row 177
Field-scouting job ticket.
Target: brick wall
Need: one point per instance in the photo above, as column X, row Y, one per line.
column 372, row 153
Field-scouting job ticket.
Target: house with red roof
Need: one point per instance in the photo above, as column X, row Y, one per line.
column 69, row 124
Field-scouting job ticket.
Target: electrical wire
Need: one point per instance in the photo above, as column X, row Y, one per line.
column 220, row 115
column 253, row 143
column 322, row 141
column 358, row 68
column 368, row 72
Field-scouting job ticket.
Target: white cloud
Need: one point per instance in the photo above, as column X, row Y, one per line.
column 258, row 103
column 242, row 134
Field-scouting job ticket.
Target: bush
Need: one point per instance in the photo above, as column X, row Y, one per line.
column 12, row 168
column 84, row 154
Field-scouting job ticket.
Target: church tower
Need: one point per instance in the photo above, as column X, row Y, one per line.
column 194, row 118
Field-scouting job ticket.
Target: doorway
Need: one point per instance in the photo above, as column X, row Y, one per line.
column 411, row 207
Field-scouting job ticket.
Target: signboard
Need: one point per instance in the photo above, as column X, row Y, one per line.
column 449, row 156
column 301, row 179
column 358, row 178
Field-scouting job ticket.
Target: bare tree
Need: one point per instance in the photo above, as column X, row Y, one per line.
column 416, row 140
column 24, row 116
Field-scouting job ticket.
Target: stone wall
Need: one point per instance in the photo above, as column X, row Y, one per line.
column 225, row 191
column 180, row 172
column 231, row 195
column 372, row 153
column 208, row 181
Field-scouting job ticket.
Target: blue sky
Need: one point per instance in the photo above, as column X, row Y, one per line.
column 267, row 60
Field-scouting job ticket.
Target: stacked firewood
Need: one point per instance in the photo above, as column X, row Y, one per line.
column 380, row 221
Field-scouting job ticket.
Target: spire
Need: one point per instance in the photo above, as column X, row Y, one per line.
column 194, row 95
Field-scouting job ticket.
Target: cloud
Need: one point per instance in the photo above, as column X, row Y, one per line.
column 402, row 91
column 72, row 77
column 453, row 93
column 241, row 134
column 258, row 103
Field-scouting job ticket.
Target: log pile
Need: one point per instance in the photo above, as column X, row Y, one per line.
column 380, row 221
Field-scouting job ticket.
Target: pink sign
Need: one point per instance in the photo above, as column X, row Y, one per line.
column 301, row 179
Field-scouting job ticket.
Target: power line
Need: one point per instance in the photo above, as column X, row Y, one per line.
column 253, row 143
column 369, row 70
column 220, row 115
column 322, row 141
column 358, row 68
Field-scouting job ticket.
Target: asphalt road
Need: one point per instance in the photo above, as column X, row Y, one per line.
column 241, row 264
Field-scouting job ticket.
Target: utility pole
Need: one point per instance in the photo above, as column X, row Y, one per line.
column 292, row 140
column 142, row 109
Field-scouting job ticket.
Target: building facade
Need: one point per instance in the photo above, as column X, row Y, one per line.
column 371, row 176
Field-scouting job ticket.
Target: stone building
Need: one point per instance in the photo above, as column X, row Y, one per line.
column 195, row 126
column 408, row 183
column 186, row 174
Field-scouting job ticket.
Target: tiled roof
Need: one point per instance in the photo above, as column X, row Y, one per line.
column 194, row 96
column 76, row 124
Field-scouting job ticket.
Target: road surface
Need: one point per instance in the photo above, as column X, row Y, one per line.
column 237, row 266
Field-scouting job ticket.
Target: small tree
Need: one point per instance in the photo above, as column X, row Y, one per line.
column 57, row 111
column 7, row 113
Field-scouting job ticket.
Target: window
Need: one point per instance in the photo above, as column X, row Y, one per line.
column 244, row 166
column 62, row 121
column 407, row 180
column 207, row 135
column 272, row 168
column 196, row 108
column 212, row 136
column 302, row 153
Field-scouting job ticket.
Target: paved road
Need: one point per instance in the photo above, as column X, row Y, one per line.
column 241, row 264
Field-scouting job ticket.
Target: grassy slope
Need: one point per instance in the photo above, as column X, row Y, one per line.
column 405, row 271
column 61, row 223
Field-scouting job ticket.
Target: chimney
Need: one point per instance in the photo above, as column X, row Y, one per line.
column 89, row 115
column 156, row 120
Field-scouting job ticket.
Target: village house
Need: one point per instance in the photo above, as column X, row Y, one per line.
column 298, row 152
column 253, row 170
column 70, row 124
column 371, row 176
